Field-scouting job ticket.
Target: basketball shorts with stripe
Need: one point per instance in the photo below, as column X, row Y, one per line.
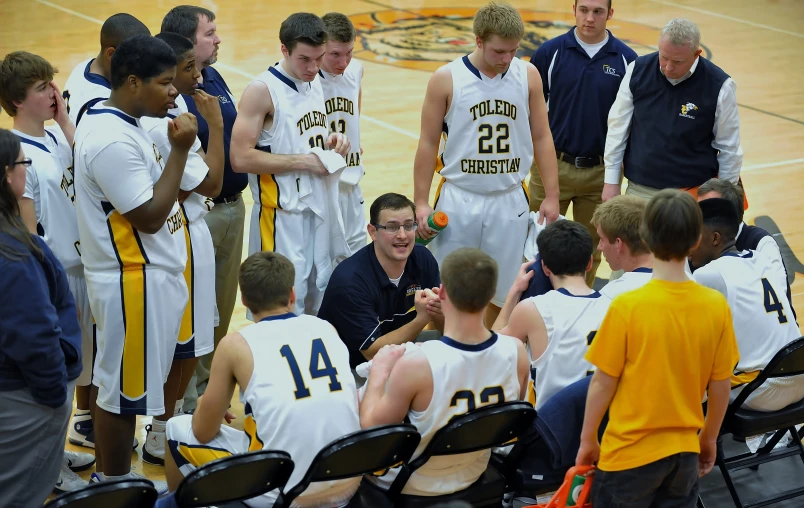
column 196, row 334
column 138, row 313
column 291, row 234
column 78, row 288
column 350, row 198
column 496, row 223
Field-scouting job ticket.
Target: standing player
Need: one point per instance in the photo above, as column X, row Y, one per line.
column 202, row 180
column 491, row 107
column 753, row 283
column 282, row 118
column 291, row 371
column 29, row 95
column 343, row 93
column 133, row 243
column 558, row 326
column 470, row 366
column 90, row 80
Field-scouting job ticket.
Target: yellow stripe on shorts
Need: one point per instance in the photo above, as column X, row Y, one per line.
column 200, row 455
column 250, row 428
column 269, row 202
column 186, row 331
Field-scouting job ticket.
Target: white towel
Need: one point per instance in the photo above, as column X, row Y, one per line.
column 320, row 194
column 534, row 229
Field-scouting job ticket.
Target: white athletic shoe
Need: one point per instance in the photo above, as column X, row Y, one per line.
column 153, row 451
column 160, row 486
column 68, row 481
column 82, row 432
column 78, row 461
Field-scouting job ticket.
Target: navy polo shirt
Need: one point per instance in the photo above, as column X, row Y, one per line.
column 580, row 90
column 363, row 304
column 215, row 85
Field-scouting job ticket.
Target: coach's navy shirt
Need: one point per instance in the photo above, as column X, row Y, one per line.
column 580, row 90
column 363, row 304
column 215, row 85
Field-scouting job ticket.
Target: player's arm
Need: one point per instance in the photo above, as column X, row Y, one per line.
column 149, row 215
column 213, row 405
column 619, row 128
column 520, row 285
column 255, row 106
column 394, row 381
column 526, row 324
column 544, row 150
column 434, row 110
column 522, row 370
column 28, row 214
column 408, row 332
column 209, row 107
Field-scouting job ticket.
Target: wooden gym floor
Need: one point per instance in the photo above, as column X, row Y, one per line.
column 400, row 42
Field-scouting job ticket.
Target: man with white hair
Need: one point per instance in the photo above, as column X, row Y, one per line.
column 674, row 123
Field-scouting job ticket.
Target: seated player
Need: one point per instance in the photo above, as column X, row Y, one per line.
column 617, row 222
column 748, row 237
column 201, row 181
column 559, row 325
column 753, row 283
column 293, row 374
column 430, row 384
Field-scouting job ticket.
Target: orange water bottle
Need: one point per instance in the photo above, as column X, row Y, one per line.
column 437, row 222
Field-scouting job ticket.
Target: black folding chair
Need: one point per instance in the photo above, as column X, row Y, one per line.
column 117, row 493
column 481, row 429
column 362, row 452
column 743, row 423
column 230, row 479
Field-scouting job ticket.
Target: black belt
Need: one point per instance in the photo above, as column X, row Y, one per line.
column 229, row 199
column 579, row 162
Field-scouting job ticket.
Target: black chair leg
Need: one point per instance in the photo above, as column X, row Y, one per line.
column 720, row 460
column 700, row 503
column 796, row 437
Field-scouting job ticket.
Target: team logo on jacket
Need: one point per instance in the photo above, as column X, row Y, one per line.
column 686, row 109
column 608, row 69
column 426, row 39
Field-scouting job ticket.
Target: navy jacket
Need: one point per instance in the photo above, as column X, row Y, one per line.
column 580, row 90
column 40, row 338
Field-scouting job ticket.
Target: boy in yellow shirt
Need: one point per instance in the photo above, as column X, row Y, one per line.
column 659, row 349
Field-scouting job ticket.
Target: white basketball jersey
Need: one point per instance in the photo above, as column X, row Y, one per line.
column 83, row 86
column 754, row 286
column 106, row 191
column 571, row 323
column 341, row 96
column 489, row 146
column 629, row 281
column 49, row 183
column 195, row 170
column 302, row 394
column 299, row 125
column 465, row 377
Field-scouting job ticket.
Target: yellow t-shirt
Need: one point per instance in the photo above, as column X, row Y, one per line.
column 665, row 341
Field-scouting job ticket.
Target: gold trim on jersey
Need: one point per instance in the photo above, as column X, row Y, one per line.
column 187, row 329
column 200, row 455
column 250, row 428
column 527, row 193
column 269, row 191
column 438, row 191
column 125, row 242
column 269, row 202
column 743, row 378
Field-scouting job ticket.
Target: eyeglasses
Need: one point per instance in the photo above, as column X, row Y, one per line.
column 393, row 227
column 25, row 162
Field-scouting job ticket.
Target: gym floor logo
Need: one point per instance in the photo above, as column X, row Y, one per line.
column 426, row 39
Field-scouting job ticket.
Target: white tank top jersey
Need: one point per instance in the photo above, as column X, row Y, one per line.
column 341, row 96
column 489, row 146
column 302, row 394
column 116, row 167
column 195, row 170
column 299, row 125
column 754, row 286
column 465, row 377
column 83, row 86
column 571, row 323
column 49, row 183
column 629, row 281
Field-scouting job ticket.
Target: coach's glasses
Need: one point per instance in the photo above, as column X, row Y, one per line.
column 393, row 227
column 25, row 162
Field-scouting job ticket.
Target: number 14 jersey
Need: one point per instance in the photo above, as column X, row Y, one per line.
column 301, row 395
column 489, row 146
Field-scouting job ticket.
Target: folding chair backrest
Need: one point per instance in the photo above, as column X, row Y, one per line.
column 362, row 452
column 241, row 476
column 117, row 493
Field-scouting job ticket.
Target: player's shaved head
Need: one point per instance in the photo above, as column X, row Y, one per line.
column 120, row 27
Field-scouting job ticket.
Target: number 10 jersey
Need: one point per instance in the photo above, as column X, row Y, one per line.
column 489, row 147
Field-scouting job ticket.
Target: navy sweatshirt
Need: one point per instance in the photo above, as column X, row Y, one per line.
column 40, row 338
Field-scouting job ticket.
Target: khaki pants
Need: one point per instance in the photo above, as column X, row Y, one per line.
column 581, row 187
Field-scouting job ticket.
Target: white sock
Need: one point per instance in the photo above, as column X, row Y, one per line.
column 121, row 477
column 158, row 425
column 101, row 476
column 177, row 409
column 81, row 412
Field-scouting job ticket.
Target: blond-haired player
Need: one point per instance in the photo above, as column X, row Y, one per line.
column 491, row 107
